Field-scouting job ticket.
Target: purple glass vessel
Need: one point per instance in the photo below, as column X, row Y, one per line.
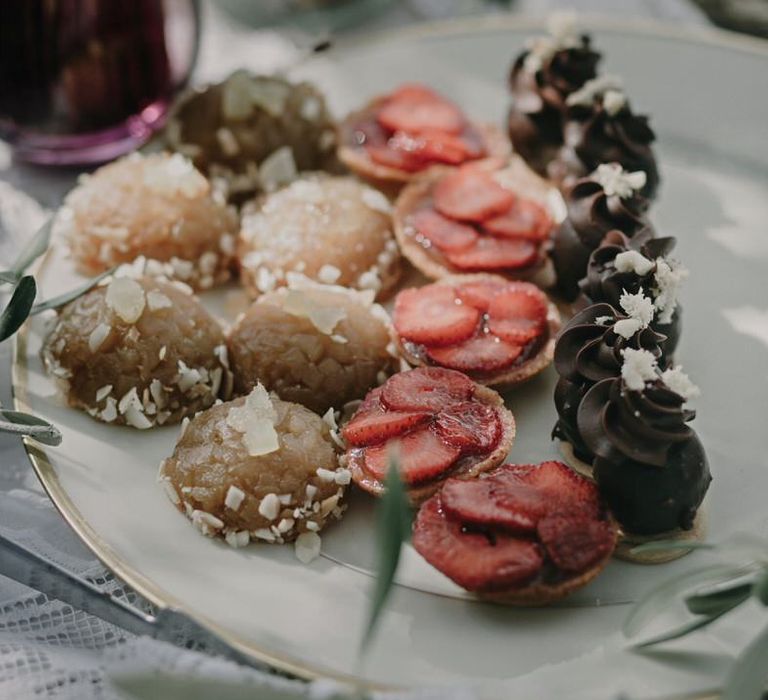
column 84, row 81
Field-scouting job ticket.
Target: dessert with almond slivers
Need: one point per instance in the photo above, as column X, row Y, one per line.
column 479, row 219
column 497, row 331
column 159, row 208
column 435, row 423
column 318, row 345
column 138, row 352
column 334, row 230
column 410, row 130
column 521, row 534
column 257, row 469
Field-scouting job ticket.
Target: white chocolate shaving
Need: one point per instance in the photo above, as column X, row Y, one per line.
column 618, row 182
column 679, row 382
column 638, row 367
column 632, row 261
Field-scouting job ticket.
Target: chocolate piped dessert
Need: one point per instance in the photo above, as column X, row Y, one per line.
column 600, row 127
column 606, row 200
column 649, row 464
column 639, row 264
column 542, row 77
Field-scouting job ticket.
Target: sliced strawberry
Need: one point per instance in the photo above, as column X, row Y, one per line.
column 406, row 156
column 416, row 111
column 518, row 496
column 519, row 313
column 575, row 542
column 422, row 455
column 479, row 294
column 481, row 353
column 475, row 561
column 446, row 148
column 432, row 315
column 426, row 389
column 469, row 194
column 372, row 427
column 443, row 233
column 491, row 253
column 525, row 219
column 471, row 426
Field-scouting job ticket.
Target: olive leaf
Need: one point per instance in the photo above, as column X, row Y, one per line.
column 28, row 425
column 669, row 545
column 684, row 629
column 37, row 245
column 722, row 599
column 71, row 295
column 653, row 603
column 747, row 677
column 393, row 526
column 8, row 277
column 19, row 307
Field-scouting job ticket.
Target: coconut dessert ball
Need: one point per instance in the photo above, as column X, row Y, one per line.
column 334, row 230
column 138, row 352
column 157, row 206
column 257, row 468
column 318, row 345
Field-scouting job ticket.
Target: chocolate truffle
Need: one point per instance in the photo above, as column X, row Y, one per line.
column 607, row 199
column 551, row 68
column 600, row 127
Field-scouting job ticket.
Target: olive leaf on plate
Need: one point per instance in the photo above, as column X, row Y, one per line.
column 393, row 527
column 708, row 593
column 19, row 308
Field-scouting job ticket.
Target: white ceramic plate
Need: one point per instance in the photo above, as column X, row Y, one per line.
column 707, row 97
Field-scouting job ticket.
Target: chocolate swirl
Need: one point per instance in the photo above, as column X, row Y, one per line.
column 591, row 215
column 592, row 135
column 587, row 352
column 604, row 283
column 649, row 464
column 535, row 120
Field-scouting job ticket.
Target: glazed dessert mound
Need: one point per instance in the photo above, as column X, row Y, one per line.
column 437, row 422
column 253, row 133
column 521, row 534
column 412, row 129
column 317, row 345
column 138, row 352
column 496, row 331
column 159, row 207
column 641, row 264
column 608, row 199
column 600, row 127
column 474, row 219
column 543, row 76
column 334, row 230
column 257, row 469
column 649, row 464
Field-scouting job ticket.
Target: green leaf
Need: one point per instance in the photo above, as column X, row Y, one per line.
column 666, row 545
column 65, row 298
column 747, row 677
column 760, row 590
column 8, row 277
column 393, row 522
column 659, row 598
column 25, row 424
column 34, row 249
column 681, row 631
column 18, row 308
column 721, row 599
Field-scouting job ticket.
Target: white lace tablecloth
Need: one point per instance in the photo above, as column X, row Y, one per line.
column 48, row 649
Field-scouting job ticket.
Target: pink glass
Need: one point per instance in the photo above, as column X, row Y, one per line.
column 84, row 81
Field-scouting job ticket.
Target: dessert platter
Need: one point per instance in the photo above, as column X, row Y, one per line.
column 479, row 274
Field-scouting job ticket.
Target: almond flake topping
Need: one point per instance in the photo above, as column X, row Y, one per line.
column 255, row 419
column 158, row 300
column 234, row 498
column 126, row 298
column 307, row 547
column 98, row 336
column 592, row 89
column 324, row 318
column 270, row 506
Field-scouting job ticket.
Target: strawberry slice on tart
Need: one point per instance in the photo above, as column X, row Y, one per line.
column 479, row 218
column 438, row 423
column 398, row 135
column 497, row 331
column 522, row 534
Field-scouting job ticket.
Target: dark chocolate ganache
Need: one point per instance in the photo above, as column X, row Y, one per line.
column 649, row 464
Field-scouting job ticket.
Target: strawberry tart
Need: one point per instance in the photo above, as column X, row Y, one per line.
column 436, row 422
column 495, row 330
column 475, row 219
column 396, row 136
column 522, row 534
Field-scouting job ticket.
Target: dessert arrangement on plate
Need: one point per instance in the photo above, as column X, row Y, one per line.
column 535, row 249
